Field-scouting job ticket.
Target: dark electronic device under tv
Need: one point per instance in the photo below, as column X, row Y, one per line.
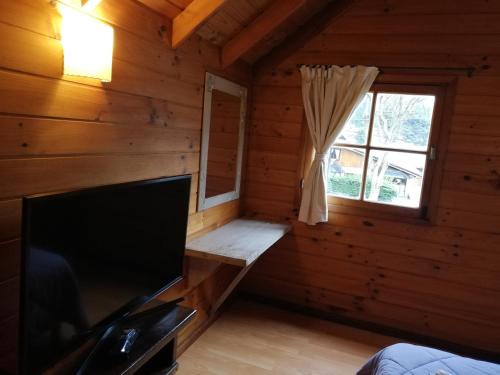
column 91, row 257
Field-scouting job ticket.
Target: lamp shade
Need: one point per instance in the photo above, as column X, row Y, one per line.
column 87, row 44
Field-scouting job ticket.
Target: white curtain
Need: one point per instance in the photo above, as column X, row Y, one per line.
column 330, row 94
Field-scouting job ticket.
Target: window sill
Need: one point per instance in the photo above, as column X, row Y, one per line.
column 378, row 211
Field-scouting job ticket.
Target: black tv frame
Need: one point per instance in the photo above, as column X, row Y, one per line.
column 114, row 318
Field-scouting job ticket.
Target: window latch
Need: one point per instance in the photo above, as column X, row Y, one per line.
column 432, row 153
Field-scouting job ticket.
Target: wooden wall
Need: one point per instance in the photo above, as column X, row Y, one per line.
column 62, row 133
column 440, row 280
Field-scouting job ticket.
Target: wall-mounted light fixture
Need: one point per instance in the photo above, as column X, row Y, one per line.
column 89, row 5
column 87, row 43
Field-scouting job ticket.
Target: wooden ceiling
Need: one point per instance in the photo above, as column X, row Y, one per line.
column 246, row 29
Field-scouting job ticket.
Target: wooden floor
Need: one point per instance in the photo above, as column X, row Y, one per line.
column 251, row 338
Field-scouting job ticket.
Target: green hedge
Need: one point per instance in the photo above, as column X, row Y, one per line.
column 350, row 185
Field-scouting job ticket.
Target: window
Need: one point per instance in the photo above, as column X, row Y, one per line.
column 383, row 155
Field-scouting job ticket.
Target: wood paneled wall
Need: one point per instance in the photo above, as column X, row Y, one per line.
column 440, row 280
column 59, row 132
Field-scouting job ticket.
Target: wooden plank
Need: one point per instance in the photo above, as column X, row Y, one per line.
column 479, row 222
column 377, row 8
column 272, row 160
column 287, row 74
column 474, row 144
column 10, row 219
column 416, row 24
column 261, row 26
column 10, row 253
column 32, row 136
column 310, row 29
column 381, row 312
column 271, row 209
column 55, row 98
column 266, row 191
column 191, row 18
column 239, row 242
column 9, row 293
column 436, row 305
column 340, row 302
column 268, row 286
column 272, row 177
column 163, row 7
column 470, row 202
column 453, row 269
column 230, row 288
column 450, row 253
column 269, row 128
column 472, row 183
column 30, row 176
column 478, row 85
column 154, row 56
column 476, row 124
column 409, row 44
column 485, row 105
column 476, row 249
column 278, row 95
column 135, row 18
column 281, row 145
column 41, row 54
column 9, row 345
column 473, row 164
column 278, row 112
column 368, row 278
column 212, row 218
column 444, row 309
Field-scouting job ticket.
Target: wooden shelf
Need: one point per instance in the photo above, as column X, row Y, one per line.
column 239, row 242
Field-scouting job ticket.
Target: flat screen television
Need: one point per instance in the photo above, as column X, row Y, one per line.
column 92, row 257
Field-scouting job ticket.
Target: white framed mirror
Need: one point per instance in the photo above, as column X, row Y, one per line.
column 223, row 137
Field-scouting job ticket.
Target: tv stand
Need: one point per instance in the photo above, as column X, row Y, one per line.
column 154, row 349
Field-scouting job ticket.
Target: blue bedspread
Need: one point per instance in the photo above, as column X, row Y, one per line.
column 409, row 359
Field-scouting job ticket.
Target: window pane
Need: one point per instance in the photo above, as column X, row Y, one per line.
column 355, row 131
column 402, row 121
column 345, row 172
column 395, row 178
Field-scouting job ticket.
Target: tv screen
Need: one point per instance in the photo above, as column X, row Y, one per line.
column 90, row 257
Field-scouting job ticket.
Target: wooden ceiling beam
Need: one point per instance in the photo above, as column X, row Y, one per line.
column 180, row 3
column 163, row 7
column 263, row 25
column 314, row 26
column 191, row 18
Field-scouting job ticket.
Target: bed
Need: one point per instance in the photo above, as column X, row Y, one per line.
column 402, row 359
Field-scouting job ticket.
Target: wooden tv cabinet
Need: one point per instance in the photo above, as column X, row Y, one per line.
column 154, row 351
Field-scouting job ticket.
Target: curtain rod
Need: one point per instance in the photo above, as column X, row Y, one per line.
column 469, row 71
